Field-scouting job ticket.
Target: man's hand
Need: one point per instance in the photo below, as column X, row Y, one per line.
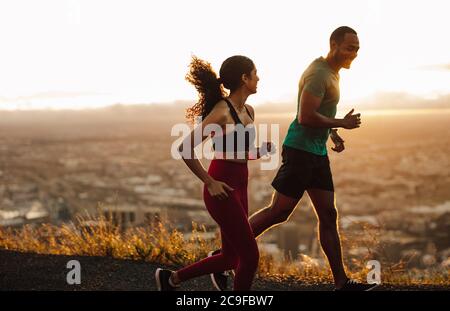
column 337, row 140
column 351, row 121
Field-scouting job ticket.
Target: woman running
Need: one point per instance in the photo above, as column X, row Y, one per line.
column 225, row 182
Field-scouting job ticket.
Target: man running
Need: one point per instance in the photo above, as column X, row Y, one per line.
column 305, row 164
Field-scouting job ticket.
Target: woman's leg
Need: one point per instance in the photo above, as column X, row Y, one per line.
column 244, row 242
column 240, row 248
column 226, row 258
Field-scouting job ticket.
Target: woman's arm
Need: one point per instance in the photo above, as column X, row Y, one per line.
column 256, row 153
column 216, row 117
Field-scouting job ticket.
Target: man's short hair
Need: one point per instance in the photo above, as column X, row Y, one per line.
column 339, row 34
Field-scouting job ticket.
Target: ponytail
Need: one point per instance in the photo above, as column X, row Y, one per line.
column 209, row 88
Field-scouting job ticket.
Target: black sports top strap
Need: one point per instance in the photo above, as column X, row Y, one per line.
column 233, row 112
column 248, row 112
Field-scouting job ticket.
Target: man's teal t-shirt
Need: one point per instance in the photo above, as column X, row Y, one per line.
column 320, row 80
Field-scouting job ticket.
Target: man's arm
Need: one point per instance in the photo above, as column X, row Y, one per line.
column 309, row 116
column 337, row 140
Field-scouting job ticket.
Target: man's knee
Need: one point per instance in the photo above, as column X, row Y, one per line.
column 280, row 213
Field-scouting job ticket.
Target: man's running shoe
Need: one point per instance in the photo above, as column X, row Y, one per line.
column 353, row 285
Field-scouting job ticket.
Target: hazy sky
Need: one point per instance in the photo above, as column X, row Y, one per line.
column 86, row 53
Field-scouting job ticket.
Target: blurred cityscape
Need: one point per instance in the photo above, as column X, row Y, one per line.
column 392, row 181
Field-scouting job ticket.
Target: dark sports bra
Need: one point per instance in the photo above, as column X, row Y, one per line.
column 231, row 142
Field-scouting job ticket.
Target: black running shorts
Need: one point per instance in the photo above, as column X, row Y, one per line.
column 301, row 170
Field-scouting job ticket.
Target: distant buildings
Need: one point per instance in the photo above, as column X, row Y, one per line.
column 180, row 212
column 31, row 213
column 127, row 216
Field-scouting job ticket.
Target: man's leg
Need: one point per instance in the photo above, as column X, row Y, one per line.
column 323, row 202
column 276, row 213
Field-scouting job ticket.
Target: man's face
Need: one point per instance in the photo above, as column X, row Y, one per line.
column 346, row 52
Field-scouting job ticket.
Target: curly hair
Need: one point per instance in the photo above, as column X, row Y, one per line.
column 209, row 86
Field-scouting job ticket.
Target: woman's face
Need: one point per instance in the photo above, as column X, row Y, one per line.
column 251, row 81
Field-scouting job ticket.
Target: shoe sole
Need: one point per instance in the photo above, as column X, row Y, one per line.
column 368, row 290
column 213, row 280
column 158, row 280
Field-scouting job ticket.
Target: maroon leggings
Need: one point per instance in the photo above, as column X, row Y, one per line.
column 239, row 248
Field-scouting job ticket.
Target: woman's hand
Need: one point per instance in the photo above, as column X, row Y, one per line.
column 267, row 147
column 218, row 189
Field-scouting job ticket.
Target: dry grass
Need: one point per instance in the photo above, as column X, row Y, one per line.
column 162, row 244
